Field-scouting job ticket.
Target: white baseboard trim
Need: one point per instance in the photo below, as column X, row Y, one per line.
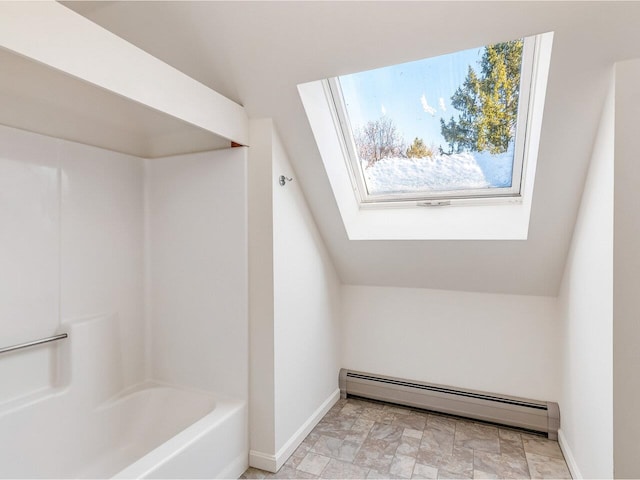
column 296, row 439
column 263, row 461
column 272, row 463
column 568, row 456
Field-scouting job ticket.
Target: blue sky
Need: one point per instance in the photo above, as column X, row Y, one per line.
column 415, row 94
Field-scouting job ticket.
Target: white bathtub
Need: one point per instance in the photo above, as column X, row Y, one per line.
column 151, row 430
column 204, row 436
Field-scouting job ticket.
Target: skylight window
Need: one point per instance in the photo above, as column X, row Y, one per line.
column 440, row 129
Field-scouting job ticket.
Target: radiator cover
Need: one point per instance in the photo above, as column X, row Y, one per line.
column 517, row 412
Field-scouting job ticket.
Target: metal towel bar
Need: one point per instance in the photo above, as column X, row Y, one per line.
column 33, row 343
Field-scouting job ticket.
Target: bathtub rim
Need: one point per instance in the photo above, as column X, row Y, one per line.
column 172, row 447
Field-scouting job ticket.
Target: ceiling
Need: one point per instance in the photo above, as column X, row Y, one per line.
column 255, row 53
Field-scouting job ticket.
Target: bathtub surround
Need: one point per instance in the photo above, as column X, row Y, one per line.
column 105, row 245
column 197, row 250
column 294, row 307
column 92, row 427
column 72, row 239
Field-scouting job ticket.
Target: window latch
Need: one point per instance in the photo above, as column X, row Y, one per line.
column 435, row 203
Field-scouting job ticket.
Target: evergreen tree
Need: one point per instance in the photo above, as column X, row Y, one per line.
column 488, row 102
column 419, row 150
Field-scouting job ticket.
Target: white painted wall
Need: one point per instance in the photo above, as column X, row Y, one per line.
column 294, row 307
column 586, row 315
column 306, row 307
column 626, row 277
column 70, row 246
column 261, row 338
column 197, row 270
column 497, row 343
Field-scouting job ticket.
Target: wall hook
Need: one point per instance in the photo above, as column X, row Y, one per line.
column 283, row 180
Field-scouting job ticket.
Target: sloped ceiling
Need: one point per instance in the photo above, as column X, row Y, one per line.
column 255, row 53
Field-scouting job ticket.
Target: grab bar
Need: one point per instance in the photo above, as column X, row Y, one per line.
column 33, row 343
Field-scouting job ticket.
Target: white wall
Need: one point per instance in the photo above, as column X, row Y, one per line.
column 294, row 305
column 626, row 279
column 197, row 272
column 586, row 315
column 70, row 245
column 498, row 343
column 261, row 338
column 306, row 307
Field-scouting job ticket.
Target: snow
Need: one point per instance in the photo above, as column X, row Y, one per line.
column 497, row 169
column 462, row 171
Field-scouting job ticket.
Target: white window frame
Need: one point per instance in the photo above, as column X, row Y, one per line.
column 511, row 194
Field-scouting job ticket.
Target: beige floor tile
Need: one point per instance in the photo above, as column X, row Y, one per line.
column 461, row 462
column 309, row 441
column 361, row 439
column 409, row 432
column 378, row 415
column 479, row 474
column 421, row 471
column 288, row 473
column 388, row 433
column 439, row 441
column 512, row 448
column 477, row 437
column 327, row 446
column 542, row 466
column 502, row 466
column 348, row 451
column 339, row 469
column 378, row 475
column 375, row 455
column 313, row 463
column 296, row 458
column 541, row 446
column 396, row 409
column 402, row 466
column 254, row 473
column 439, row 422
column 362, row 425
column 356, row 437
column 453, row 475
column 409, row 446
column 416, row 422
column 509, row 435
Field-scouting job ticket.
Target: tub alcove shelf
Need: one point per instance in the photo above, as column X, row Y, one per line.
column 92, row 87
column 43, row 100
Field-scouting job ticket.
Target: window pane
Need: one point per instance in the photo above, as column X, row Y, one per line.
column 441, row 124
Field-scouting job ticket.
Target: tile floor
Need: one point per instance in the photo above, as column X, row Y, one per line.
column 363, row 439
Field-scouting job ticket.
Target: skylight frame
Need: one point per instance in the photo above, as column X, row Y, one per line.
column 513, row 194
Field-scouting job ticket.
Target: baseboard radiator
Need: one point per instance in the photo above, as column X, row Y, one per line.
column 517, row 412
